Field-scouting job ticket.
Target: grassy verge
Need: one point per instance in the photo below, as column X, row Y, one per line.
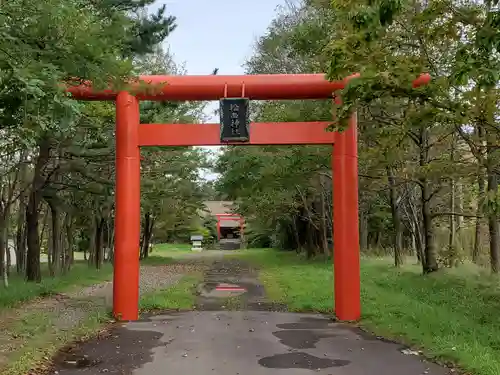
column 167, row 249
column 30, row 337
column 41, row 340
column 451, row 315
column 80, row 275
column 180, row 296
column 157, row 260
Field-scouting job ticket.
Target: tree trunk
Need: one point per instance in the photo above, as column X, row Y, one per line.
column 4, row 269
column 108, row 243
column 5, row 230
column 430, row 259
column 419, row 243
column 44, row 213
column 481, row 194
column 8, row 258
column 459, row 197
column 63, row 243
column 146, row 238
column 452, row 250
column 66, row 244
column 416, row 251
column 55, row 243
column 324, row 229
column 309, row 241
column 363, row 230
column 33, row 239
column 33, row 272
column 492, row 161
column 71, row 243
column 479, row 211
column 378, row 242
column 296, row 238
column 415, row 225
column 98, row 248
column 21, row 238
column 3, row 249
column 396, row 219
column 452, row 227
column 150, row 237
column 111, row 239
column 21, row 217
column 46, row 244
column 430, row 264
column 92, row 243
column 493, row 224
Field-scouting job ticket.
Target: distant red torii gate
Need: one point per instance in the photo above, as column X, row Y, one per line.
column 229, row 217
column 131, row 135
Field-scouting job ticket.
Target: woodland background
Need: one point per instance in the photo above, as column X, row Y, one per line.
column 429, row 157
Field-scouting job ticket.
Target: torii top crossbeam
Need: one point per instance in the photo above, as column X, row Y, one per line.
column 212, row 87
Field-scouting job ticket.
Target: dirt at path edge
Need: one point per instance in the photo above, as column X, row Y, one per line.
column 32, row 332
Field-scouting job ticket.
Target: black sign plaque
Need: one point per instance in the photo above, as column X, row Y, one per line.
column 234, row 120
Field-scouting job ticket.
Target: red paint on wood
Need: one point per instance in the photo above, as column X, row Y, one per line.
column 261, row 133
column 130, row 135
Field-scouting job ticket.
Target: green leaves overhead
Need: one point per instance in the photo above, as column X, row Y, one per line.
column 421, row 150
column 59, row 152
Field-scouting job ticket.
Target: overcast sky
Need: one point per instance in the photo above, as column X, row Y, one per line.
column 217, row 34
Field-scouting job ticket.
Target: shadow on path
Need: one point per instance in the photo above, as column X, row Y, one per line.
column 255, row 340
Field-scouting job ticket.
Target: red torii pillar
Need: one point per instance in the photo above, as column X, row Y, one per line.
column 130, row 135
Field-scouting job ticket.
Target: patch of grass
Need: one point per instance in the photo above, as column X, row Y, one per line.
column 32, row 325
column 80, row 275
column 452, row 315
column 171, row 247
column 180, row 296
column 157, row 260
column 170, row 250
column 42, row 339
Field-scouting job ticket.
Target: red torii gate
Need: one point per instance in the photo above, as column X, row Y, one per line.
column 231, row 217
column 131, row 135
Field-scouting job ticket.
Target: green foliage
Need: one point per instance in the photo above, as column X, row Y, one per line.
column 258, row 236
column 416, row 147
column 65, row 147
